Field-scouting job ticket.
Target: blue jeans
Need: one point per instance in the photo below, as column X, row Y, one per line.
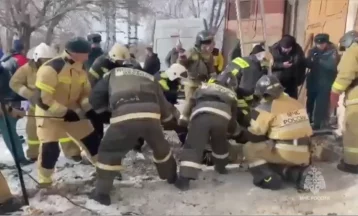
column 17, row 141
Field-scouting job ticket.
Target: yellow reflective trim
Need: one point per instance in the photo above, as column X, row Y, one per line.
column 109, row 167
column 211, row 80
column 44, row 87
column 241, row 62
column 105, row 70
column 33, row 142
column 94, row 73
column 268, row 180
column 235, row 72
column 66, row 80
column 163, row 75
column 65, row 140
column 350, row 150
column 245, row 112
column 338, row 86
column 241, row 103
column 248, row 98
column 165, row 159
column 164, row 84
column 190, row 164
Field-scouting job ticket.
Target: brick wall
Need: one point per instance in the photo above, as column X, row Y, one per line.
column 274, row 14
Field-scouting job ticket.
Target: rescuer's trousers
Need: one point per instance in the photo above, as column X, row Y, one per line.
column 260, row 155
column 202, row 128
column 68, row 147
column 350, row 135
column 49, row 132
column 120, row 138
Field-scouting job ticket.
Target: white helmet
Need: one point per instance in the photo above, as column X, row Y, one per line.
column 44, row 51
column 119, row 52
column 176, row 71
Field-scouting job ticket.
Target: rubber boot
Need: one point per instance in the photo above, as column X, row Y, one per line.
column 172, row 179
column 353, row 169
column 11, row 205
column 182, row 183
column 265, row 178
column 221, row 170
column 298, row 175
column 103, row 199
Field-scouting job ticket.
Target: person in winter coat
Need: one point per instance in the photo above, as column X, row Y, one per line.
column 8, row 65
column 322, row 61
column 289, row 64
column 62, row 91
column 96, row 50
column 23, row 83
column 152, row 62
column 173, row 55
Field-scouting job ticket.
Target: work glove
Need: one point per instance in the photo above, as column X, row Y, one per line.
column 183, row 121
column 334, row 98
column 71, row 116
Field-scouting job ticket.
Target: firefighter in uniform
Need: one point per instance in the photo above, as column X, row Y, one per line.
column 169, row 81
column 23, row 83
column 137, row 107
column 280, row 133
column 248, row 70
column 8, row 203
column 103, row 65
column 211, row 113
column 199, row 62
column 62, row 90
column 347, row 82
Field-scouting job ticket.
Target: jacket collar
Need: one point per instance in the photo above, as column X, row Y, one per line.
column 66, row 56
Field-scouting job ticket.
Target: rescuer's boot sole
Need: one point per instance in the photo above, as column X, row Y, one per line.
column 353, row 169
column 172, row 179
column 182, row 183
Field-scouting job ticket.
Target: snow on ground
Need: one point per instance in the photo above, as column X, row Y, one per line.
column 142, row 193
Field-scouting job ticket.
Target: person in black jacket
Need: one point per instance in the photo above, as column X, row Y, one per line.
column 289, row 64
column 152, row 62
column 96, row 50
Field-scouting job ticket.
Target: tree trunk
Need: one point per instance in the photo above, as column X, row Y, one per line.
column 212, row 14
column 9, row 37
column 25, row 32
column 218, row 14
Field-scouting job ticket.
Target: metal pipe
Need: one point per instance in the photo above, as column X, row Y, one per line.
column 238, row 17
